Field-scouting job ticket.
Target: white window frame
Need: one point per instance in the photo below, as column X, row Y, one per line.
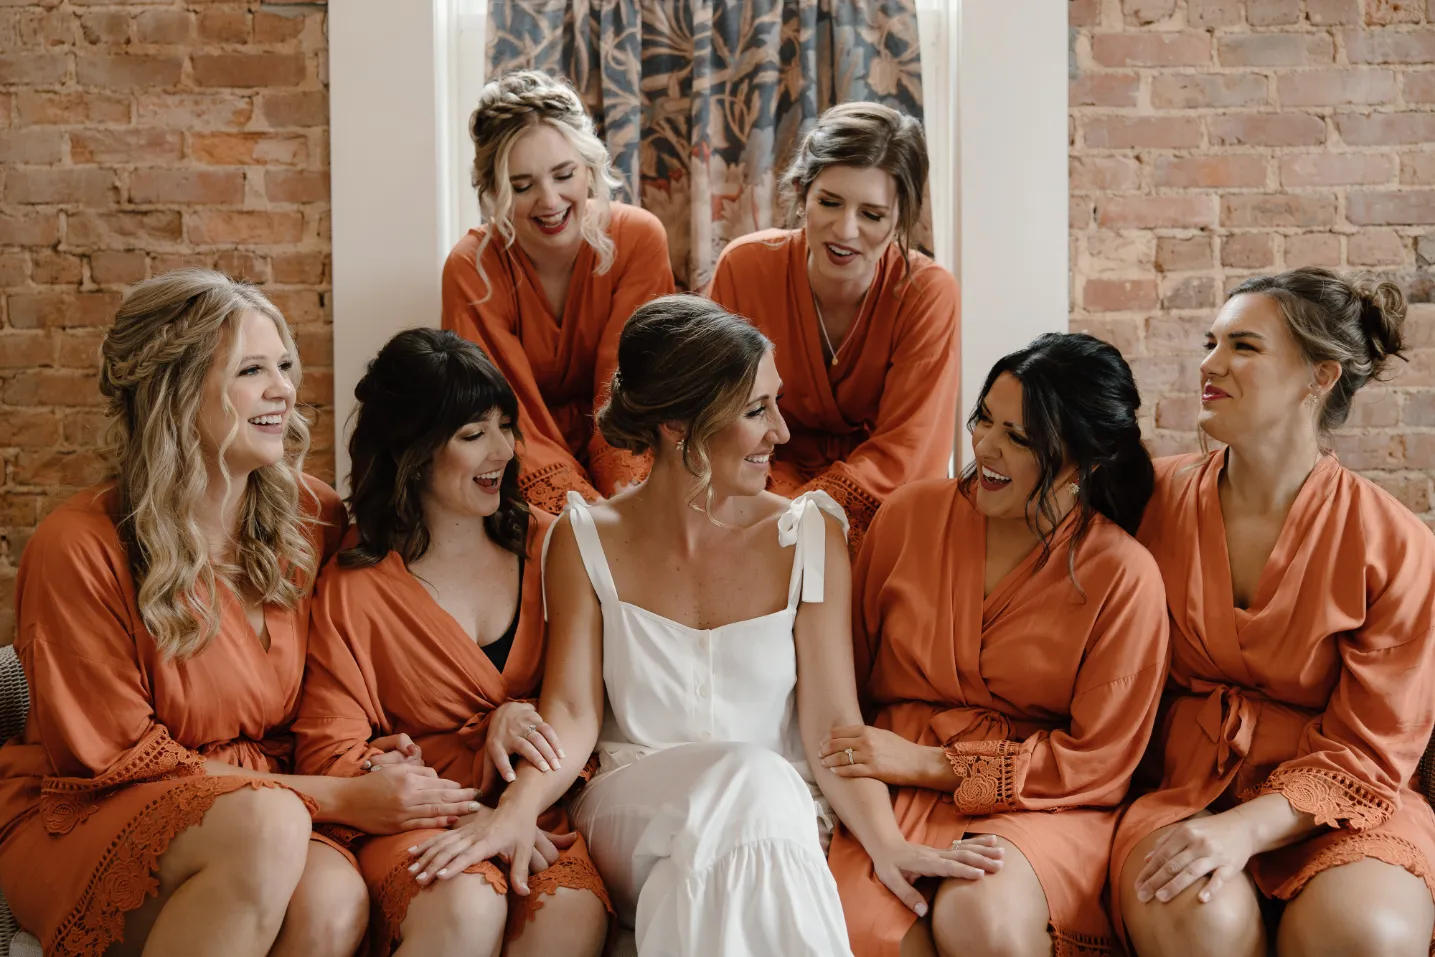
column 401, row 88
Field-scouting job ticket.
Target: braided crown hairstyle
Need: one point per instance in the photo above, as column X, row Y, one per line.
column 167, row 334
column 507, row 108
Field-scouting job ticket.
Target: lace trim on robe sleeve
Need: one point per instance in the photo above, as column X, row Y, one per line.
column 548, row 487
column 613, row 469
column 988, row 774
column 66, row 802
column 1333, row 798
column 859, row 504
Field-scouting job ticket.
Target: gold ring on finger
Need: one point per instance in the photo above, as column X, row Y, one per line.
column 531, row 728
column 850, row 759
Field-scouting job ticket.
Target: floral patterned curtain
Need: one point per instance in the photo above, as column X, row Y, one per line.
column 701, row 102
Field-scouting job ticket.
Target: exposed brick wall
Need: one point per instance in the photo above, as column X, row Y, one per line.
column 1215, row 139
column 135, row 138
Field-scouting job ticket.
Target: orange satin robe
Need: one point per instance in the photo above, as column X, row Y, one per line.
column 110, row 767
column 886, row 413
column 386, row 659
column 1043, row 700
column 1323, row 690
column 559, row 366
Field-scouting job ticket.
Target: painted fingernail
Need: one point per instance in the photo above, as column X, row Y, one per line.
column 562, row 753
column 414, row 849
column 473, row 805
column 508, row 776
column 442, row 871
column 1205, row 896
column 1161, row 896
column 557, row 766
column 1143, row 896
column 424, row 876
column 368, row 764
column 412, row 867
column 922, row 910
column 543, row 765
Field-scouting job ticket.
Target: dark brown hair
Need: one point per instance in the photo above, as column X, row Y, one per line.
column 1357, row 323
column 682, row 359
column 864, row 135
column 422, row 387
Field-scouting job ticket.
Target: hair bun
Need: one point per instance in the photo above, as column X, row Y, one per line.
column 1382, row 317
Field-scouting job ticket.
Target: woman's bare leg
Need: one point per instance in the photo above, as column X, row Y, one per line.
column 1000, row 915
column 571, row 921
column 329, row 910
column 461, row 917
column 1365, row 909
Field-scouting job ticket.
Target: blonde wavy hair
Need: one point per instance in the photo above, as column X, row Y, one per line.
column 507, row 108
column 168, row 332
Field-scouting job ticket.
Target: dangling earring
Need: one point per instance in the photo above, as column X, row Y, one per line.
column 1073, row 488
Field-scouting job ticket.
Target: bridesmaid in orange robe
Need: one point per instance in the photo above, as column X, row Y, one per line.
column 547, row 283
column 865, row 329
column 1012, row 676
column 1302, row 689
column 143, row 801
column 429, row 625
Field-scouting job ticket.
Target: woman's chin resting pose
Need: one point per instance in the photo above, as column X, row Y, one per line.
column 1302, row 687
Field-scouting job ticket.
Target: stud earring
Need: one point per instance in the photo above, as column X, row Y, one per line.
column 1073, row 488
column 681, row 444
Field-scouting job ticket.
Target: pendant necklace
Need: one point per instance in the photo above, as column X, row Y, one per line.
column 822, row 327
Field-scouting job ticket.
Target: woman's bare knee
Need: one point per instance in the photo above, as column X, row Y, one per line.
column 329, row 911
column 1364, row 909
column 571, row 921
column 464, row 916
column 1000, row 915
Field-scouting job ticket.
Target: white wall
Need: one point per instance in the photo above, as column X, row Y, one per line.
column 1012, row 181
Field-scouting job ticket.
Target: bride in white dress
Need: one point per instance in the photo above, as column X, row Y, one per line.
column 711, row 618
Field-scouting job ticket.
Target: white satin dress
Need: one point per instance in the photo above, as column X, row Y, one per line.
column 703, row 818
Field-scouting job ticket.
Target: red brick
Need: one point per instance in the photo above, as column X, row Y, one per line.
column 300, row 307
column 1271, row 13
column 1367, row 451
column 61, row 109
column 1324, row 12
column 1118, row 251
column 195, row 111
column 1390, row 46
column 87, row 187
column 14, row 269
column 161, row 263
column 29, row 228
column 1418, row 87
column 273, row 27
column 1337, row 87
column 1092, row 89
column 124, row 229
column 61, row 310
column 1380, row 208
column 1151, row 49
column 117, row 266
column 127, row 72
column 247, row 227
column 1275, row 49
column 248, row 69
column 1375, row 247
column 51, row 388
column 1312, row 249
column 1195, row 90
column 1178, row 412
column 45, row 28
column 24, row 350
column 110, row 27
column 1144, row 12
column 80, row 349
column 1375, row 407
column 54, row 467
column 1381, row 129
column 241, row 149
column 1267, row 129
column 1078, row 213
column 1393, row 11
column 317, row 387
column 33, row 69
column 163, row 27
column 1137, row 132
column 1189, row 292
column 1209, row 14
column 190, row 186
column 50, row 268
column 84, row 429
column 1083, row 13
column 1182, row 254
column 1417, row 169
column 38, row 146
column 1119, row 295
column 1275, row 209
column 1337, row 169
column 1104, row 173
column 1211, row 171
column 311, row 107
column 224, row 25
column 296, row 186
column 1418, row 409
column 243, row 265
column 309, row 269
column 36, row 430
column 1163, row 375
column 1412, row 491
column 1154, row 212
column 128, row 146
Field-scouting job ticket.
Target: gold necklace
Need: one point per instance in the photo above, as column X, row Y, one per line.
column 822, row 327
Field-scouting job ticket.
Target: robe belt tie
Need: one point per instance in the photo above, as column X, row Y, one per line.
column 1229, row 719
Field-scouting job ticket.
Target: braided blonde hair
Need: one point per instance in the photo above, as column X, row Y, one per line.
column 168, row 332
column 507, row 108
